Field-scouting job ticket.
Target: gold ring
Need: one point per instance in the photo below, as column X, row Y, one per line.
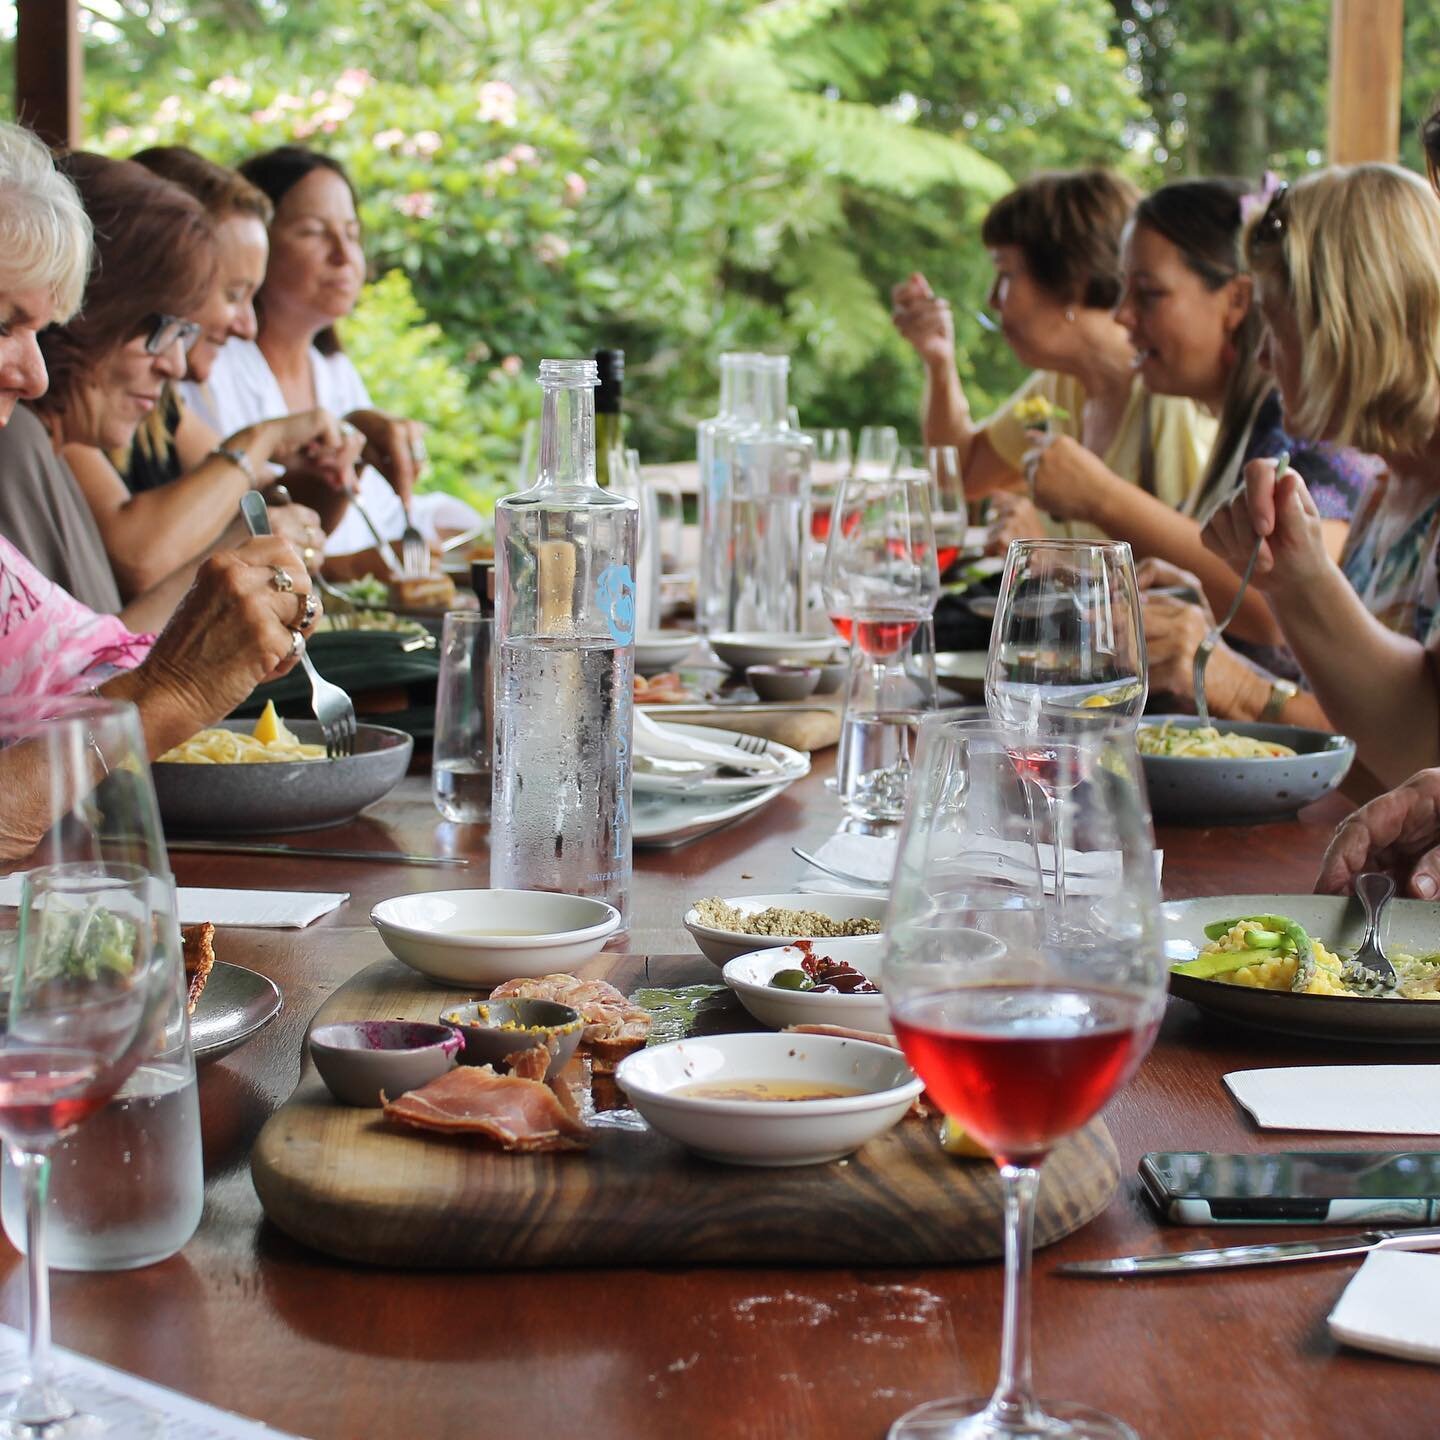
column 281, row 579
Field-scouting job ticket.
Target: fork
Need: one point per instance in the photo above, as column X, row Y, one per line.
column 387, row 552
column 1212, row 635
column 414, row 552
column 845, row 875
column 751, row 744
column 340, row 609
column 1374, row 890
column 332, row 706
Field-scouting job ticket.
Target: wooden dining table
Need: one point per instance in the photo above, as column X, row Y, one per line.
column 249, row 1320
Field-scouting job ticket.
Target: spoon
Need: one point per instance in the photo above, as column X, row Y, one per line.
column 844, row 875
column 1212, row 635
column 1374, row 891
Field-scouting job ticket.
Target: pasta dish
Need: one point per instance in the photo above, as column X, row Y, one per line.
column 269, row 743
column 1205, row 742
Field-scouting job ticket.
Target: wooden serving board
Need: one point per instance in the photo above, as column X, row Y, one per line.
column 349, row 1183
column 815, row 726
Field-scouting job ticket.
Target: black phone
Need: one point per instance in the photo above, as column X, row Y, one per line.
column 1295, row 1187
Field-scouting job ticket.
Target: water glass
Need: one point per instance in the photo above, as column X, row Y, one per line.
column 877, row 450
column 465, row 718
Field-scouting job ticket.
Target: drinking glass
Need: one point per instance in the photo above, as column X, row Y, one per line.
column 947, row 490
column 462, row 760
column 876, row 450
column 1021, row 1038
column 95, row 995
column 831, row 465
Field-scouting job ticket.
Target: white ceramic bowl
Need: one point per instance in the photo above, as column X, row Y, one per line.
column 485, row 937
column 770, row 1132
column 749, row 977
column 659, row 650
column 741, row 648
column 722, row 946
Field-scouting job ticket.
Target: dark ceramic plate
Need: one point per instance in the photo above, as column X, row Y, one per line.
column 234, row 1004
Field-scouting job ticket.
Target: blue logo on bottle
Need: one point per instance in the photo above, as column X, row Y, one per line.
column 615, row 595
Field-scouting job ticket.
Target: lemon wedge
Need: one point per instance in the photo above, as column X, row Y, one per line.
column 267, row 727
column 954, row 1141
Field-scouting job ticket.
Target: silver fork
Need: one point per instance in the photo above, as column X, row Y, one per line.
column 751, row 744
column 387, row 552
column 1212, row 636
column 340, row 609
column 844, row 875
column 414, row 552
column 332, row 706
column 1374, row 890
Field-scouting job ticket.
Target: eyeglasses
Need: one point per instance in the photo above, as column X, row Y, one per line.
column 1271, row 225
column 166, row 330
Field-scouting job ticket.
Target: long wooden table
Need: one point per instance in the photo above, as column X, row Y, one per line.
column 247, row 1319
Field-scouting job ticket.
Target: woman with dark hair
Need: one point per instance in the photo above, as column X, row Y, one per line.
column 1055, row 244
column 170, row 495
column 295, row 363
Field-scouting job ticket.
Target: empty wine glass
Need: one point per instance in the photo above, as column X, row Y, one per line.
column 876, row 450
column 96, row 991
column 1020, row 1038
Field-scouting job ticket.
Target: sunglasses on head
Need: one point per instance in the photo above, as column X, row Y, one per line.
column 165, row 330
column 1271, row 225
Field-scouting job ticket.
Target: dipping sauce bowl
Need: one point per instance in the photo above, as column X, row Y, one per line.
column 493, row 1029
column 357, row 1059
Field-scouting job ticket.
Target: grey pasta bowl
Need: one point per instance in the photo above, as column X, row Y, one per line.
column 284, row 796
column 1194, row 791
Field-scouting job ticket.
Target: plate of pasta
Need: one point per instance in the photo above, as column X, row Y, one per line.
column 1236, row 772
column 1283, row 962
column 261, row 777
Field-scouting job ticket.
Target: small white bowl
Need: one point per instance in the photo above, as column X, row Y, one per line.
column 770, row 1132
column 740, row 649
column 749, row 977
column 485, row 937
column 659, row 650
column 722, row 946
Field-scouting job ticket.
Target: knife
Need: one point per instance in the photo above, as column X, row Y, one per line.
column 392, row 857
column 1233, row 1256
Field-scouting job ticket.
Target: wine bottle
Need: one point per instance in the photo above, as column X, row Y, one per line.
column 609, row 417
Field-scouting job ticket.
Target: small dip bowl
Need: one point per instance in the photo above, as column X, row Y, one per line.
column 357, row 1059
column 719, row 946
column 832, row 676
column 749, row 976
column 493, row 1029
column 770, row 1132
column 783, row 682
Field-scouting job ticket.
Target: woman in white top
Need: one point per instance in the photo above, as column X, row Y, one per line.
column 316, row 269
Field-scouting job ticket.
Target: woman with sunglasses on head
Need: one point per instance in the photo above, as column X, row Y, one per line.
column 171, row 494
column 295, row 363
column 1055, row 245
column 246, row 616
column 1347, row 275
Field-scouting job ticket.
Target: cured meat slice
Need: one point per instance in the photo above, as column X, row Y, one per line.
column 516, row 1114
column 613, row 1026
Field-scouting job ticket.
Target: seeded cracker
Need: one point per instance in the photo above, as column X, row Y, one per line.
column 784, row 923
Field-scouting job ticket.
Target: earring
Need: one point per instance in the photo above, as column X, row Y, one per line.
column 1070, row 314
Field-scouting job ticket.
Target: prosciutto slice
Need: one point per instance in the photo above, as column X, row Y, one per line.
column 517, row 1114
column 613, row 1026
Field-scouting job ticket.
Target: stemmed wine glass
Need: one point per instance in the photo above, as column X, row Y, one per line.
column 876, row 450
column 1067, row 651
column 830, row 466
column 94, row 985
column 1019, row 1036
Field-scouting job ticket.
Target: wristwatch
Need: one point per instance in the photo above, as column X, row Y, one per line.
column 239, row 459
column 1280, row 692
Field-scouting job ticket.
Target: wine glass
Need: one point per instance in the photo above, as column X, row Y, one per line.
column 95, row 991
column 831, row 465
column 1067, row 651
column 1021, row 1038
column 876, row 450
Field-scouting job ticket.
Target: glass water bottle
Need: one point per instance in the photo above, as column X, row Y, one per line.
column 713, row 439
column 565, row 630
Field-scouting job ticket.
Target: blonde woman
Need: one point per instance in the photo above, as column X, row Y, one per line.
column 1347, row 275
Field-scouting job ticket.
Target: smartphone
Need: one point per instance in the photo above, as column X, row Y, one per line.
column 1295, row 1187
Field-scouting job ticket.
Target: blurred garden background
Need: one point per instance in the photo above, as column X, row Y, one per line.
column 683, row 177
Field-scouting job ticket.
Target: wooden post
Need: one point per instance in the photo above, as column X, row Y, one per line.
column 1367, row 41
column 48, row 70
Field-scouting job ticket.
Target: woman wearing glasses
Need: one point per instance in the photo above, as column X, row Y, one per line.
column 171, row 494
column 1347, row 276
column 246, row 615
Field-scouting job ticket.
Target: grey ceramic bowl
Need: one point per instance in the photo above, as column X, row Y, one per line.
column 783, row 682
column 832, row 676
column 295, row 795
column 1220, row 792
column 358, row 1059
column 493, row 1029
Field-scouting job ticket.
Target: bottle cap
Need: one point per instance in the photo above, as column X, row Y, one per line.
column 611, row 365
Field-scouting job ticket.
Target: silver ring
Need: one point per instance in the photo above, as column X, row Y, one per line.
column 297, row 644
column 418, row 452
column 281, row 579
column 310, row 610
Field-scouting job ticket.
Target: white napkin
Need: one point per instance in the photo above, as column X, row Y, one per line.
column 662, row 742
column 1358, row 1099
column 1392, row 1305
column 245, row 909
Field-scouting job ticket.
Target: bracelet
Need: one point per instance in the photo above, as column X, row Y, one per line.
column 1281, row 691
column 240, row 460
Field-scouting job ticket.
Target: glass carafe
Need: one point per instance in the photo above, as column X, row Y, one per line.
column 713, row 444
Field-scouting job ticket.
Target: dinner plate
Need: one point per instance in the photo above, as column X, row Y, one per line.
column 795, row 765
column 963, row 671
column 234, row 1004
column 661, row 822
column 1338, row 922
column 284, row 796
column 1204, row 792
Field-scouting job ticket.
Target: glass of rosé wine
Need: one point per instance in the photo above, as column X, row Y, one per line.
column 1021, row 1030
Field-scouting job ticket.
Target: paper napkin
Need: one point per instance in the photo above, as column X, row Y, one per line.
column 248, row 909
column 1392, row 1305
column 661, row 742
column 1356, row 1099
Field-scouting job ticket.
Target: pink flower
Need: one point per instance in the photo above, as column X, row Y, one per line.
column 354, row 82
column 512, row 365
column 117, row 135
column 496, row 103
column 228, row 87
column 575, row 189
column 551, row 249
column 387, row 139
column 418, row 204
column 423, row 142
column 524, row 154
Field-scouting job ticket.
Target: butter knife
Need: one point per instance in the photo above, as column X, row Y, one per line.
column 247, row 847
column 1229, row 1257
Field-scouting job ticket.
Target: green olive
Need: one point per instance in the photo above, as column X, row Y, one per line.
column 790, row 980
